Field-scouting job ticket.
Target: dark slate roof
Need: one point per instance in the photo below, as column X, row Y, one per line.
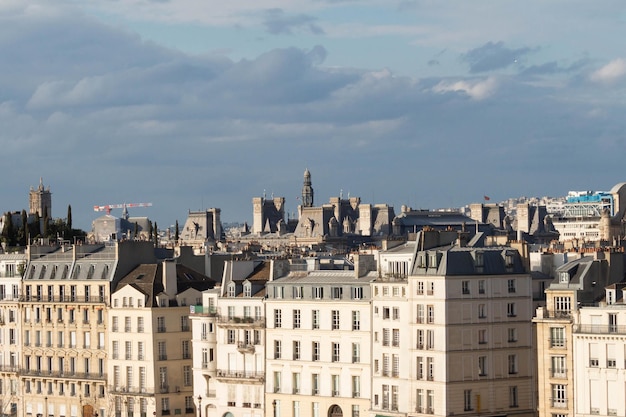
column 461, row 260
column 147, row 278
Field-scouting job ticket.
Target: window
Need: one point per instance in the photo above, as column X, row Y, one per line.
column 355, row 410
column 161, row 346
column 140, row 327
column 612, row 323
column 386, row 313
column 335, row 352
column 296, row 408
column 278, row 318
column 315, row 319
column 385, row 404
column 356, row 386
column 396, row 337
column 512, row 332
column 395, row 366
column 356, row 320
column 247, row 290
column 335, row 385
column 467, row 400
column 513, row 397
column 296, row 350
column 295, row 382
column 335, row 319
column 318, row 293
column 187, row 376
column 141, row 351
column 315, row 384
column 557, row 337
column 420, row 368
column 510, row 310
column 116, row 349
column 559, row 395
column 430, row 367
column 465, row 286
column 186, row 349
column 315, row 351
column 337, row 293
column 356, row 353
column 558, row 369
column 277, row 381
column 482, row 311
column 512, row 364
column 481, row 286
column 430, row 339
column 430, row 313
column 511, row 286
column 482, row 336
column 297, row 292
column 114, row 324
column 482, row 365
column 394, row 398
column 385, row 337
column 279, row 292
column 562, row 305
column 296, row 319
column 420, row 339
column 277, row 348
column 357, row 293
column 420, row 313
column 385, row 364
column 594, row 362
column 128, row 350
column 420, row 288
column 161, row 324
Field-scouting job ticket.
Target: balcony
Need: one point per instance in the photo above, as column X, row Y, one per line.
column 244, row 347
column 558, row 373
column 227, row 375
column 161, row 329
column 64, row 299
column 201, row 311
column 241, row 321
column 599, row 329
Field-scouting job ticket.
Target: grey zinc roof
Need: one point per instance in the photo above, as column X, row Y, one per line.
column 326, row 277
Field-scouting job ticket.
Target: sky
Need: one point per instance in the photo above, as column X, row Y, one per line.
column 190, row 104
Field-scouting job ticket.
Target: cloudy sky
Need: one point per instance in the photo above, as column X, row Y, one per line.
column 191, row 104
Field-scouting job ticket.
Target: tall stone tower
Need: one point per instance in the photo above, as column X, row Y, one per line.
column 40, row 200
column 307, row 190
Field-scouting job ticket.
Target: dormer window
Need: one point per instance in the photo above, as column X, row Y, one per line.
column 247, row 290
column 564, row 277
column 479, row 259
column 433, row 261
column 231, row 289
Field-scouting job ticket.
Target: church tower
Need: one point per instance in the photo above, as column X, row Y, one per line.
column 307, row 190
column 40, row 200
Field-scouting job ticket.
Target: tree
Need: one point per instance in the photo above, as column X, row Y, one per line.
column 23, row 232
column 177, row 233
column 68, row 221
column 156, row 234
column 46, row 223
column 8, row 231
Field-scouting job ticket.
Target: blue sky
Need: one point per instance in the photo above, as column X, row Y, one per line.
column 193, row 104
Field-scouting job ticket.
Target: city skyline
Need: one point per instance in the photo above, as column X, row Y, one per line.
column 194, row 106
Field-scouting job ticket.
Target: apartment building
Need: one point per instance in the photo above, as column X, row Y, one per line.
column 318, row 336
column 150, row 352
column 580, row 343
column 229, row 340
column 12, row 266
column 451, row 329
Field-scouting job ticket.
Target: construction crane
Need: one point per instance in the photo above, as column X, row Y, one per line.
column 124, row 206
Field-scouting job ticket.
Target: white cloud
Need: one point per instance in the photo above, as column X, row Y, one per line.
column 611, row 72
column 476, row 89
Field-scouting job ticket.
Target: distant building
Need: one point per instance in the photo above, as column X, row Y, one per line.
column 40, row 200
column 201, row 227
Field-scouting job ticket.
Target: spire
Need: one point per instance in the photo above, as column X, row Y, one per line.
column 307, row 190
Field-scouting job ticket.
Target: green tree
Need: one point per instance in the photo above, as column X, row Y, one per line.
column 8, row 231
column 23, row 232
